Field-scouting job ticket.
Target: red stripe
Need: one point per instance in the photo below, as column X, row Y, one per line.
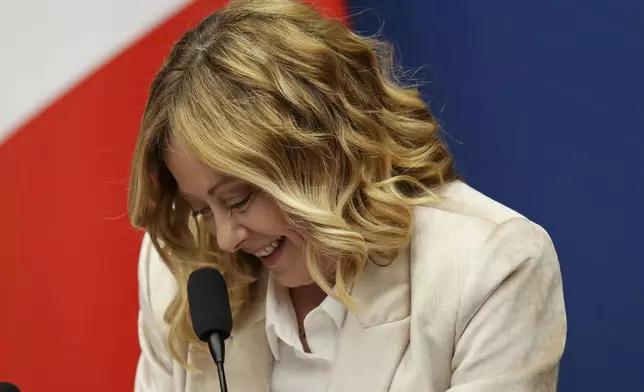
column 68, row 292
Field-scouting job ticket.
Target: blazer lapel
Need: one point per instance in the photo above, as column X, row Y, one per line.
column 373, row 341
column 249, row 361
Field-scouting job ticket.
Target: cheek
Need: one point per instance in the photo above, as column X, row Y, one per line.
column 210, row 226
column 265, row 217
column 296, row 240
column 296, row 254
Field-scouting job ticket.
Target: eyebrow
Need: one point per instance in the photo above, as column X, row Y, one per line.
column 211, row 190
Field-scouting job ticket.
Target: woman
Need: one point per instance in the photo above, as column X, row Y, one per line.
column 276, row 148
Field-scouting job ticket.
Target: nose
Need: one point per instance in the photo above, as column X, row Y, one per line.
column 229, row 234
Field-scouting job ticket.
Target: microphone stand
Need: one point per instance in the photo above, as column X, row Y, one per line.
column 218, row 351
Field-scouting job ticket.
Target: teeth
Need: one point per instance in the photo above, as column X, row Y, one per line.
column 269, row 249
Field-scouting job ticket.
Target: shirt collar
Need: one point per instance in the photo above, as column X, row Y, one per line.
column 279, row 311
column 336, row 310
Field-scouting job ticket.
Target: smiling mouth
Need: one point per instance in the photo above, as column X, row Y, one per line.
column 267, row 251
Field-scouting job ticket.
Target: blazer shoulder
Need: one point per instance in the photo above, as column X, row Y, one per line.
column 463, row 201
column 463, row 230
column 157, row 285
column 461, row 215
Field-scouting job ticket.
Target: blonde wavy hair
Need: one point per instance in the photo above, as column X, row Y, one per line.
column 303, row 109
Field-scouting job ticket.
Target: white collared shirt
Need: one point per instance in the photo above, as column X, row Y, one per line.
column 295, row 370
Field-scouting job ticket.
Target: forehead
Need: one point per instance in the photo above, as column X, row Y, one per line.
column 192, row 176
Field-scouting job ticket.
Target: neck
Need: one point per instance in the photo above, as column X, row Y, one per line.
column 305, row 299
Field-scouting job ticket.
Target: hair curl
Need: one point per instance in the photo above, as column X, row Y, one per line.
column 305, row 110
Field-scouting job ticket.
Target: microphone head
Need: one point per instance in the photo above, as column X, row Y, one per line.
column 8, row 387
column 209, row 304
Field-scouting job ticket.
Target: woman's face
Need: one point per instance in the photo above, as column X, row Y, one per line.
column 240, row 217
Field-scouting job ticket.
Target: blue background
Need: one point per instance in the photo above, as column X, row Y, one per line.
column 542, row 104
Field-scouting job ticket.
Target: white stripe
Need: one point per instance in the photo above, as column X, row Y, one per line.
column 47, row 46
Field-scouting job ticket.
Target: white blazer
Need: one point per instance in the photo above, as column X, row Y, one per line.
column 474, row 305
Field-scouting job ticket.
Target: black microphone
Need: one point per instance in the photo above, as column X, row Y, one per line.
column 212, row 319
column 8, row 387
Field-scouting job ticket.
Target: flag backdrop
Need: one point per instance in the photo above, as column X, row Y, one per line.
column 543, row 105
column 541, row 102
column 73, row 83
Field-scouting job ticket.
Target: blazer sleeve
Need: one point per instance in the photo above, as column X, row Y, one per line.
column 511, row 325
column 154, row 369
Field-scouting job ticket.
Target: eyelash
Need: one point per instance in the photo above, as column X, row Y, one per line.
column 201, row 212
column 240, row 204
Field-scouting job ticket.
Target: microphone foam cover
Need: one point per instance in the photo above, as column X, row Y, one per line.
column 209, row 304
column 8, row 387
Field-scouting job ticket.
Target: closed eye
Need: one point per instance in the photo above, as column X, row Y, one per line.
column 204, row 212
column 240, row 204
